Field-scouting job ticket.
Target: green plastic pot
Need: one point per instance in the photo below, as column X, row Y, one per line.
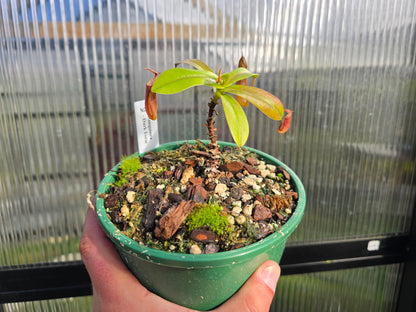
column 202, row 281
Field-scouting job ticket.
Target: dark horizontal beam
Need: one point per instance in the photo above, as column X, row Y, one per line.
column 346, row 254
column 70, row 279
column 44, row 281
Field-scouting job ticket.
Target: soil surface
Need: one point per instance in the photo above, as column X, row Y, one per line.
column 191, row 200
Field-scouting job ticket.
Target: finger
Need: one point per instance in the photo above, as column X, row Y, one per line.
column 94, row 244
column 109, row 276
column 115, row 287
column 257, row 293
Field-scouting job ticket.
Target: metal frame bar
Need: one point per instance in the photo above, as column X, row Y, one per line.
column 70, row 279
column 344, row 254
column 44, row 281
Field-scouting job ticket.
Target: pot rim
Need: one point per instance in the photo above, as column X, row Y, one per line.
column 201, row 260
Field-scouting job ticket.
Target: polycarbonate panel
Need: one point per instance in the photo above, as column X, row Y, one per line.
column 65, row 304
column 71, row 70
column 369, row 289
column 45, row 161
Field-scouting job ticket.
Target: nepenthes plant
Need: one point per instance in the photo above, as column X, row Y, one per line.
column 230, row 89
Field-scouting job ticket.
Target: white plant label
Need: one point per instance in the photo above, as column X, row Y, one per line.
column 147, row 131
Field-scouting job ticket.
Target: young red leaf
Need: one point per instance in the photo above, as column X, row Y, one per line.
column 265, row 101
column 236, row 119
column 285, row 124
column 242, row 62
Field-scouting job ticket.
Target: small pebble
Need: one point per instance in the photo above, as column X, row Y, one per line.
column 195, row 250
column 276, row 191
column 188, row 173
column 272, row 175
column 125, row 211
column 236, row 211
column 231, row 220
column 211, row 248
column 261, row 167
column 256, row 187
column 225, row 195
column 258, row 179
column 240, row 219
column 160, row 186
column 220, row 188
column 264, row 173
column 256, row 202
column 263, row 229
column 271, row 167
column 245, row 197
column 248, row 210
column 249, row 181
column 131, row 196
column 261, row 212
column 236, row 192
column 237, row 203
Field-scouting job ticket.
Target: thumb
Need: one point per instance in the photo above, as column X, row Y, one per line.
column 257, row 293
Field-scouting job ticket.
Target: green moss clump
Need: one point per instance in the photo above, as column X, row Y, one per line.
column 128, row 164
column 210, row 215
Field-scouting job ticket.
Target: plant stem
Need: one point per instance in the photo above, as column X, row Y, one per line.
column 213, row 146
column 210, row 125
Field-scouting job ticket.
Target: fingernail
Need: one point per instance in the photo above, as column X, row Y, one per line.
column 270, row 275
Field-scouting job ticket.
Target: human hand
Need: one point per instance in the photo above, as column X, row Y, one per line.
column 116, row 289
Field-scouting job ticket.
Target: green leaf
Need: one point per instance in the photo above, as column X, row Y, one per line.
column 265, row 101
column 236, row 75
column 198, row 64
column 236, row 119
column 175, row 80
